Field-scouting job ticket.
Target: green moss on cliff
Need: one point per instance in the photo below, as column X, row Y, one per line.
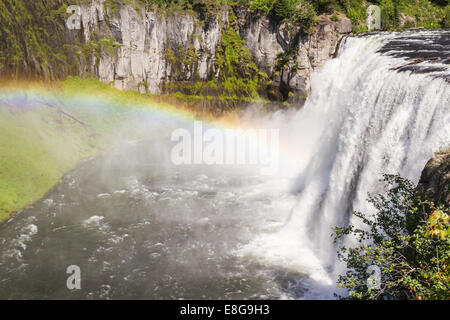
column 34, row 41
column 238, row 75
column 235, row 79
column 396, row 14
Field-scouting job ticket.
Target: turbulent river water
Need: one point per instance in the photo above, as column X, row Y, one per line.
column 141, row 227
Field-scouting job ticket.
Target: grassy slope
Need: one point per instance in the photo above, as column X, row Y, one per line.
column 36, row 149
column 38, row 146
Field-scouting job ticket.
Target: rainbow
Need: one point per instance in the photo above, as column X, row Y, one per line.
column 78, row 96
column 23, row 95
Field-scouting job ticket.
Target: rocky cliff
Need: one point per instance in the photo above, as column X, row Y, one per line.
column 268, row 40
column 435, row 179
column 151, row 50
column 230, row 56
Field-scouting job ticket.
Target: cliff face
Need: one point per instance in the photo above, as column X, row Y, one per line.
column 268, row 39
column 153, row 50
column 232, row 55
column 435, row 179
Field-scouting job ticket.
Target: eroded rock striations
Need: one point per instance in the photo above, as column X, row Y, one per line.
column 152, row 49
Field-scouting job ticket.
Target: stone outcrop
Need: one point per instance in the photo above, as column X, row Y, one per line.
column 435, row 179
column 155, row 49
column 267, row 39
column 152, row 46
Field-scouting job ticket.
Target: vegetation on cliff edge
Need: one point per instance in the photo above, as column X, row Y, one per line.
column 396, row 14
column 402, row 251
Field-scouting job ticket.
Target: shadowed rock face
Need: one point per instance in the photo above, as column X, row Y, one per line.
column 435, row 179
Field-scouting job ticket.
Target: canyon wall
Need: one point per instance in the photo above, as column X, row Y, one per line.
column 267, row 39
column 435, row 179
column 150, row 49
column 151, row 46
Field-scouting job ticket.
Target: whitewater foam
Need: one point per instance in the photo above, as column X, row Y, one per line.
column 362, row 119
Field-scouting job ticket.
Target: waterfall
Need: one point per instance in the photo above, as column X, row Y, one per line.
column 368, row 113
column 140, row 226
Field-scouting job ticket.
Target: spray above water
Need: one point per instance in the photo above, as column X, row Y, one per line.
column 364, row 117
column 140, row 225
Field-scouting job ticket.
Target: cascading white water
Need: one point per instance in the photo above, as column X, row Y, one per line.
column 362, row 119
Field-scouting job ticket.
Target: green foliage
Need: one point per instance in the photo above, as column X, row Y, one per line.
column 284, row 9
column 357, row 13
column 425, row 13
column 446, row 20
column 408, row 238
column 183, row 61
column 238, row 74
column 305, row 16
column 285, row 57
column 33, row 39
column 325, row 6
column 300, row 12
column 235, row 79
column 38, row 145
column 265, row 6
column 389, row 14
column 334, row 17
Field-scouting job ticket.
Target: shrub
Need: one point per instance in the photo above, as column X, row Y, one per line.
column 265, row 6
column 389, row 14
column 305, row 16
column 446, row 20
column 324, row 5
column 283, row 9
column 299, row 12
column 407, row 239
column 238, row 74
